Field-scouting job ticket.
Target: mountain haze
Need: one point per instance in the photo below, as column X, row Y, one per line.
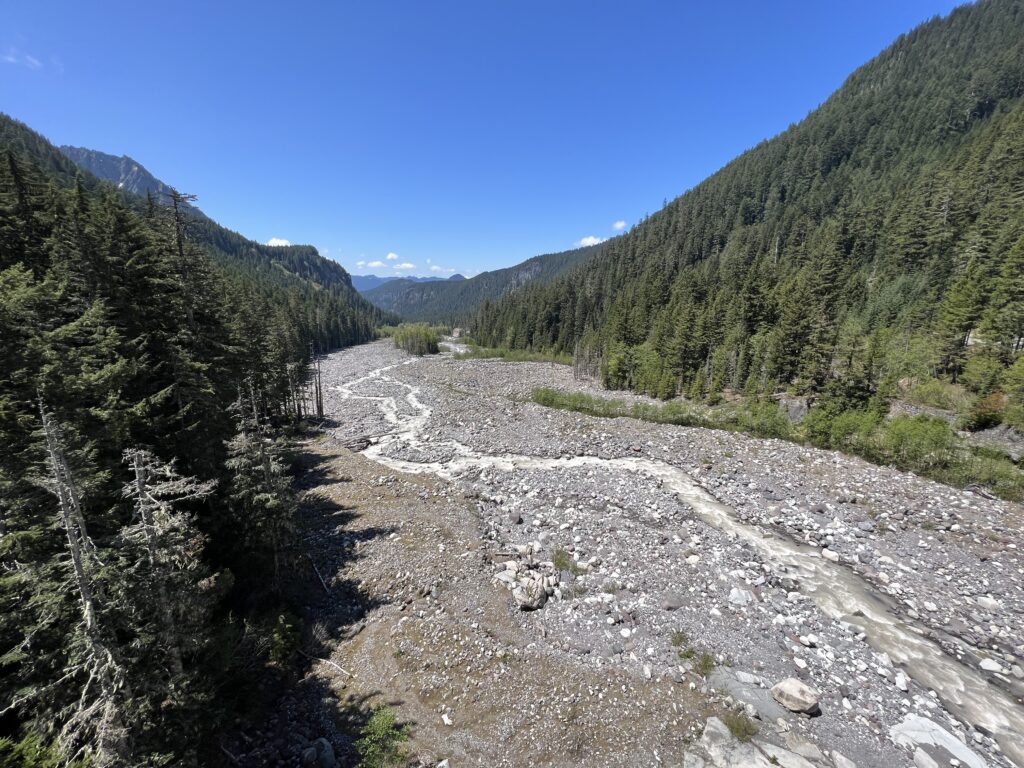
column 450, row 301
column 364, row 283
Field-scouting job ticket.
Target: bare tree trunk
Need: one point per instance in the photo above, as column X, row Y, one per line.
column 104, row 713
column 146, row 504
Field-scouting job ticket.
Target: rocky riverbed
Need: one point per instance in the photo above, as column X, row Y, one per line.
column 701, row 571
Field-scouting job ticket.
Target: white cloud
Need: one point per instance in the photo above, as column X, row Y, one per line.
column 376, row 264
column 360, row 264
column 428, row 261
column 589, row 240
column 404, row 265
column 435, row 268
column 392, row 257
column 14, row 56
column 619, row 225
column 278, row 241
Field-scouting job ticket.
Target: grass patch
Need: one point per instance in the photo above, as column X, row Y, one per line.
column 563, row 561
column 680, row 638
column 740, row 726
column 921, row 444
column 511, row 355
column 704, row 664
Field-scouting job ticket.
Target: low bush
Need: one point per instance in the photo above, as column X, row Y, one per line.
column 381, row 739
column 511, row 355
column 416, row 338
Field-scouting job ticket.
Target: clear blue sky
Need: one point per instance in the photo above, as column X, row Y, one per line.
column 456, row 135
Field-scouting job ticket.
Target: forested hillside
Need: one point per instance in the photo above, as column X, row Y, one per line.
column 454, row 301
column 876, row 246
column 145, row 510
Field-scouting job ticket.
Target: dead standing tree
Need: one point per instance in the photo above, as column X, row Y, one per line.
column 95, row 724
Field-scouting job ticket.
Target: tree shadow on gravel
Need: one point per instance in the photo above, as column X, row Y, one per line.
column 300, row 698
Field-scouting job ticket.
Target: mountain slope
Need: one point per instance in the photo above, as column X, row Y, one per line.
column 364, row 283
column 864, row 246
column 450, row 301
column 123, row 172
column 319, row 289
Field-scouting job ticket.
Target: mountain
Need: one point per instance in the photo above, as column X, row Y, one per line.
column 364, row 283
column 455, row 299
column 340, row 313
column 124, row 172
column 877, row 243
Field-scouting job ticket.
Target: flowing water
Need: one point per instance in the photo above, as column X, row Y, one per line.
column 838, row 591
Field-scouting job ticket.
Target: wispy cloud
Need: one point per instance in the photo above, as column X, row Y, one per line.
column 392, row 257
column 360, row 264
column 16, row 57
column 404, row 265
column 435, row 268
column 376, row 264
column 278, row 241
column 619, row 225
column 589, row 240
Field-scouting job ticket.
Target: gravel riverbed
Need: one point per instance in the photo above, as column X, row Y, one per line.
column 704, row 563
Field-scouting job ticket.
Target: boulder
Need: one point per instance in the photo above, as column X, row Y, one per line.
column 795, row 696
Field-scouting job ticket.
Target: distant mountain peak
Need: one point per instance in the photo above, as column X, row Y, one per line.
column 124, row 172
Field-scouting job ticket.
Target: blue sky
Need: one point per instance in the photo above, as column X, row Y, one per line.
column 448, row 135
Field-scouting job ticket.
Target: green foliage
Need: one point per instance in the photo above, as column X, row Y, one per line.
column 879, row 241
column 981, row 373
column 939, row 394
column 512, row 355
column 285, row 637
column 740, row 726
column 921, row 444
column 32, row 752
column 136, row 325
column 416, row 338
column 454, row 301
column 381, row 739
column 563, row 561
column 987, row 412
column 704, row 664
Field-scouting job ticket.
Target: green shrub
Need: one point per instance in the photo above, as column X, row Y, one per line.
column 285, row 638
column 938, row 394
column 981, row 374
column 704, row 664
column 919, row 442
column 32, row 752
column 853, row 431
column 416, row 338
column 1013, row 381
column 512, row 355
column 1014, row 416
column 380, row 741
column 763, row 418
column 740, row 726
column 987, row 412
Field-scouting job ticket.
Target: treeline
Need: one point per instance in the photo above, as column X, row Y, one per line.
column 873, row 248
column 145, row 504
column 454, row 301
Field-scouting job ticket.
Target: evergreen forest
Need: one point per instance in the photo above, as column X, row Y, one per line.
column 874, row 250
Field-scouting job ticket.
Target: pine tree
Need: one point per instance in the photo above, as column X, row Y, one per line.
column 261, row 497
